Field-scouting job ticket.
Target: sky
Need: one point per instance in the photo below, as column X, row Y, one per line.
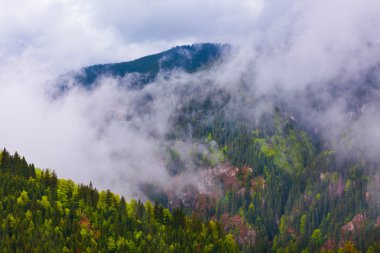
column 282, row 47
column 40, row 40
column 69, row 34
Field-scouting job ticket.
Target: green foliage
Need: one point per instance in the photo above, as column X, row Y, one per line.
column 23, row 199
column 298, row 197
column 305, row 191
column 198, row 57
column 316, row 239
column 349, row 247
column 303, row 224
column 40, row 213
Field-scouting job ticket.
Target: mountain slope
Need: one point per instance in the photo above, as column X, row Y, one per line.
column 272, row 179
column 296, row 194
column 187, row 58
column 41, row 213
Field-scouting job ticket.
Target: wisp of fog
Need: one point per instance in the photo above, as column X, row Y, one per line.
column 313, row 56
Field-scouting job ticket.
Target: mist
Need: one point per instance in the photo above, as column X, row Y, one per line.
column 111, row 136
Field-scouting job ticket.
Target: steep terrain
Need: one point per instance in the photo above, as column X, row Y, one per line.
column 144, row 70
column 278, row 179
column 41, row 213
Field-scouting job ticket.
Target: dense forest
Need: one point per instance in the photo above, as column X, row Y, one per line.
column 288, row 195
column 273, row 185
column 41, row 213
column 189, row 58
column 294, row 190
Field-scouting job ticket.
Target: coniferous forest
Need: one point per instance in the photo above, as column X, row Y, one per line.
column 288, row 195
column 275, row 186
column 144, row 126
column 41, row 213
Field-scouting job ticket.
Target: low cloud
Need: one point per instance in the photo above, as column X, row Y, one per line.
column 116, row 137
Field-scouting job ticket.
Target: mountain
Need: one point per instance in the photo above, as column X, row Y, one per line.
column 296, row 193
column 41, row 213
column 189, row 58
column 268, row 182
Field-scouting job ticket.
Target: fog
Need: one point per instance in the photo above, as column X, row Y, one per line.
column 281, row 53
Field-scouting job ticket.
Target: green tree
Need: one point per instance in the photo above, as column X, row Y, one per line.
column 316, row 239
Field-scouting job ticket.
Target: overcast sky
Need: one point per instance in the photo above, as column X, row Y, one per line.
column 44, row 38
column 72, row 33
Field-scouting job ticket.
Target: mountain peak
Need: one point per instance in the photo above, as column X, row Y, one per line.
column 189, row 58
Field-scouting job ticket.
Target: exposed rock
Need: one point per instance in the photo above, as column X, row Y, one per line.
column 229, row 179
column 211, row 184
column 204, row 203
column 350, row 227
column 185, row 196
column 328, row 246
column 236, row 224
column 358, row 220
column 223, row 174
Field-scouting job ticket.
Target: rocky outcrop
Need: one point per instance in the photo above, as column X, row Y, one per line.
column 211, row 184
column 355, row 223
column 348, row 230
column 236, row 224
column 328, row 246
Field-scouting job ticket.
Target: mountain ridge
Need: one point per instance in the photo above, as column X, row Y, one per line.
column 189, row 58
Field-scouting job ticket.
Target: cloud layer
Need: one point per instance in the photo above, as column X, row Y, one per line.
column 283, row 52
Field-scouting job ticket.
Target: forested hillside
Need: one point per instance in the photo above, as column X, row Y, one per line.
column 272, row 183
column 294, row 191
column 190, row 126
column 189, row 58
column 280, row 193
column 41, row 213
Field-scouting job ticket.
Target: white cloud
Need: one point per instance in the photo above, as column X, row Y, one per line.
column 70, row 34
column 285, row 47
